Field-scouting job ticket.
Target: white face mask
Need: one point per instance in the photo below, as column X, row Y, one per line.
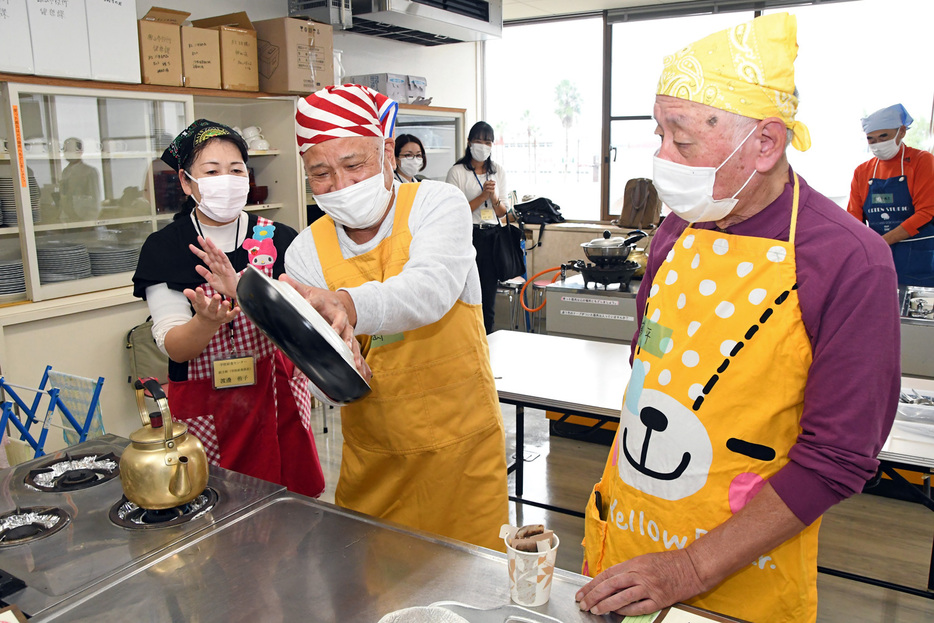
column 359, row 205
column 480, row 152
column 688, row 191
column 410, row 166
column 222, row 196
column 885, row 150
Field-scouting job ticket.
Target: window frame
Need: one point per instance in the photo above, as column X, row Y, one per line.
column 610, row 17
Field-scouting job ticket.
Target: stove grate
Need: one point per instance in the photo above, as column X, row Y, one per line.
column 25, row 525
column 126, row 514
column 74, row 472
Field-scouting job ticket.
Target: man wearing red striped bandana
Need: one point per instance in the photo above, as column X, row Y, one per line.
column 391, row 266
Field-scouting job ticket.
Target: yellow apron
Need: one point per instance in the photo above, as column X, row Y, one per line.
column 426, row 448
column 711, row 410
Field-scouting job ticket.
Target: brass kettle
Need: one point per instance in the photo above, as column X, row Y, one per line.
column 163, row 466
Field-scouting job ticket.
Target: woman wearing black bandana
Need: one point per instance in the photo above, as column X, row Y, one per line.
column 239, row 395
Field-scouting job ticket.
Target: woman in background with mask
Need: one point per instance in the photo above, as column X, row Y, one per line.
column 483, row 182
column 259, row 426
column 410, row 158
column 893, row 193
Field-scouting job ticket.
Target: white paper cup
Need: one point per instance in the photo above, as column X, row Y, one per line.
column 530, row 574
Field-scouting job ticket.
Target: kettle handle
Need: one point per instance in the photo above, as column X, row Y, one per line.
column 155, row 390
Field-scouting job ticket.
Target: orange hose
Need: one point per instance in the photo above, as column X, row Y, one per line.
column 532, row 279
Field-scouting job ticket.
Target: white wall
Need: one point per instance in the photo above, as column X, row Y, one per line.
column 256, row 9
column 451, row 69
column 81, row 335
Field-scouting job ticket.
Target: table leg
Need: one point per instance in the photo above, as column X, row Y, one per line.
column 520, row 448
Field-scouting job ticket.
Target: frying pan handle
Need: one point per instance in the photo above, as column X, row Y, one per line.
column 634, row 237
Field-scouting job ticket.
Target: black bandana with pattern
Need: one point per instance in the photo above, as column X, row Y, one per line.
column 198, row 132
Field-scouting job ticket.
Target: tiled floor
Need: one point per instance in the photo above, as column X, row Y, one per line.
column 870, row 535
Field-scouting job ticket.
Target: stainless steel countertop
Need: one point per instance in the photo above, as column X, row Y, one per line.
column 292, row 558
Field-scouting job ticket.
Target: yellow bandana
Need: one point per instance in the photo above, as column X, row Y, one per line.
column 747, row 69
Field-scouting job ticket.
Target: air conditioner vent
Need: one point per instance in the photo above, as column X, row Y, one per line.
column 398, row 33
column 477, row 9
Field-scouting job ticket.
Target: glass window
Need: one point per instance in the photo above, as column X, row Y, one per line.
column 544, row 102
column 875, row 58
column 637, row 52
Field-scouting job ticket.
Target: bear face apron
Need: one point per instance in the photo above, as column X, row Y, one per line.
column 888, row 203
column 711, row 410
column 426, row 448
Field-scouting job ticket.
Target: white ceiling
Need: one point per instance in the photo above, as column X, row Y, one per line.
column 523, row 9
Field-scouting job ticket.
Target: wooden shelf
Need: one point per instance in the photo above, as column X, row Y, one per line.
column 139, row 88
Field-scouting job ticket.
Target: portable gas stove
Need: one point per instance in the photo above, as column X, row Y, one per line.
column 605, row 274
column 598, row 304
column 65, row 525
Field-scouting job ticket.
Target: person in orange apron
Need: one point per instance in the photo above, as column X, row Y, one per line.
column 393, row 265
column 893, row 193
column 247, row 403
column 720, row 422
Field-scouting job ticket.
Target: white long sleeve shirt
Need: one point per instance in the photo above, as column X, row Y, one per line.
column 441, row 267
column 471, row 185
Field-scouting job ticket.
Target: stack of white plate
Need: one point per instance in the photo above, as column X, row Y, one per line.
column 109, row 259
column 63, row 261
column 8, row 204
column 12, row 278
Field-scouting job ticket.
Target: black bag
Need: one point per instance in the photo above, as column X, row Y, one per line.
column 539, row 211
column 508, row 256
column 642, row 208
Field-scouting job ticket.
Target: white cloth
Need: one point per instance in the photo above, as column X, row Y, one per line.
column 170, row 308
column 423, row 614
column 888, row 118
column 441, row 267
column 466, row 180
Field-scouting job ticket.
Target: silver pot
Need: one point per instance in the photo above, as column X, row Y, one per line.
column 611, row 250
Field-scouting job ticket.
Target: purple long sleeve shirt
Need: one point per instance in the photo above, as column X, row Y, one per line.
column 849, row 304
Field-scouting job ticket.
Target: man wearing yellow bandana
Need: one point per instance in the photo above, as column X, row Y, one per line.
column 765, row 374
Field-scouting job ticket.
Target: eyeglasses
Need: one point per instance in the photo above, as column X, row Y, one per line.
column 411, row 156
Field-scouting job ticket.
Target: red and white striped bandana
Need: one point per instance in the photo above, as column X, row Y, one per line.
column 343, row 111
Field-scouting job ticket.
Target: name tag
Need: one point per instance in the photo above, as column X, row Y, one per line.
column 384, row 340
column 885, row 198
column 234, row 372
column 487, row 215
column 654, row 338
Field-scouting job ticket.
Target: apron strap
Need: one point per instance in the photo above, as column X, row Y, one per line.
column 794, row 210
column 876, row 166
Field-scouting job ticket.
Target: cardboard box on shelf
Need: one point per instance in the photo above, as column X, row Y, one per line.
column 201, row 57
column 415, row 87
column 59, row 33
column 112, row 41
column 15, row 44
column 160, row 46
column 390, row 85
column 239, row 66
column 295, row 55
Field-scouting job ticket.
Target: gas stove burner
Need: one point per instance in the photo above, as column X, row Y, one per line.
column 25, row 525
column 604, row 274
column 74, row 472
column 126, row 514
